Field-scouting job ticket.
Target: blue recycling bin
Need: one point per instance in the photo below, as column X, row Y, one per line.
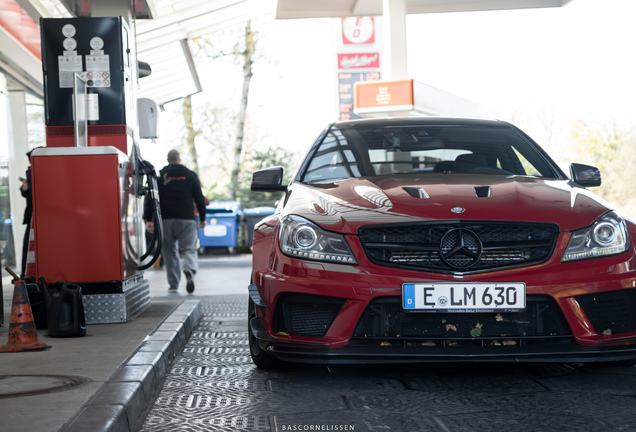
column 222, row 225
column 253, row 216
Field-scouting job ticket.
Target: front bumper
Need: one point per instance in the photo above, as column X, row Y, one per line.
column 317, row 352
column 587, row 313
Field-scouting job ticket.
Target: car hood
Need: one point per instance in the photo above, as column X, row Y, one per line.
column 345, row 205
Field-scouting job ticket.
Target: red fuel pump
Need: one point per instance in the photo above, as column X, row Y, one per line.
column 87, row 193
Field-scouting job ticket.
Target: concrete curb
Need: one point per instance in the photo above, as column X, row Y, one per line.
column 121, row 403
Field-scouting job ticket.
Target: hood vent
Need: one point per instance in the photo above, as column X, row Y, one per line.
column 416, row 192
column 483, row 191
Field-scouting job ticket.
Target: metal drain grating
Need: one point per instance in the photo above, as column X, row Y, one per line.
column 209, row 371
column 163, row 423
column 183, row 384
column 199, row 401
column 219, row 335
column 216, row 350
column 213, row 360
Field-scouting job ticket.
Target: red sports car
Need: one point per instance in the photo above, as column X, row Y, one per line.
column 436, row 239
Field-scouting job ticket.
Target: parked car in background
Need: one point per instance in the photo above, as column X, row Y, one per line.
column 437, row 239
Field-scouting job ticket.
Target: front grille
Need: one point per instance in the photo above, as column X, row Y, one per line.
column 305, row 315
column 384, row 319
column 610, row 312
column 460, row 247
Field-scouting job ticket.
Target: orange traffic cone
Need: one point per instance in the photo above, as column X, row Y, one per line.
column 22, row 333
column 30, row 270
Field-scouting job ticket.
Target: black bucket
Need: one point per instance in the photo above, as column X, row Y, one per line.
column 38, row 306
column 64, row 309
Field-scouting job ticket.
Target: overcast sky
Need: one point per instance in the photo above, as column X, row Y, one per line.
column 576, row 61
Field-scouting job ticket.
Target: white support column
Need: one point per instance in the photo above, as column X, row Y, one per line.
column 18, row 161
column 394, row 29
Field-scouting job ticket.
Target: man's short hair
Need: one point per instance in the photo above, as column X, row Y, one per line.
column 173, row 156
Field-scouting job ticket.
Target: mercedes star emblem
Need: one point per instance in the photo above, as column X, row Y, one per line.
column 460, row 248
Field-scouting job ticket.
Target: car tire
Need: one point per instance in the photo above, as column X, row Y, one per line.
column 259, row 357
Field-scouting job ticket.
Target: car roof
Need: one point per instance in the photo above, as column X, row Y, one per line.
column 417, row 121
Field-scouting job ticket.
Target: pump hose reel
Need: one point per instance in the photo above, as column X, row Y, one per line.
column 151, row 192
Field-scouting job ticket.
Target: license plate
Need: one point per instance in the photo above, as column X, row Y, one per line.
column 464, row 297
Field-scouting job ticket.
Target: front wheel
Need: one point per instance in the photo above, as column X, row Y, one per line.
column 259, row 357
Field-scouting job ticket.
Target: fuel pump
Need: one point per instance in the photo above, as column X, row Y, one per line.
column 87, row 195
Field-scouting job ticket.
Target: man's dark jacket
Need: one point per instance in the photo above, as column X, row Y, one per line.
column 179, row 190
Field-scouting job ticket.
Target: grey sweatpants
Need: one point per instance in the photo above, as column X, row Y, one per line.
column 179, row 241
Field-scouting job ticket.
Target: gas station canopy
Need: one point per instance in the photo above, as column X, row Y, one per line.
column 163, row 28
column 162, row 41
column 344, row 8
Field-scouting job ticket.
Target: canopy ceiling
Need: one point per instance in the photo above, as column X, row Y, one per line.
column 162, row 41
column 345, row 8
column 163, row 27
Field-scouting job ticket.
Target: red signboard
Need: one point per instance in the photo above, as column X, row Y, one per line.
column 359, row 61
column 358, row 30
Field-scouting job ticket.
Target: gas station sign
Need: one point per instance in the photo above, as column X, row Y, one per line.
column 384, row 95
column 346, row 81
column 358, row 30
column 358, row 60
column 408, row 97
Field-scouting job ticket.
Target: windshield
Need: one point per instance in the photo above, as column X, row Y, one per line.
column 369, row 152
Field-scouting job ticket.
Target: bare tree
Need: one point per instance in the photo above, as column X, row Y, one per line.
column 212, row 123
column 237, row 154
column 613, row 150
column 191, row 133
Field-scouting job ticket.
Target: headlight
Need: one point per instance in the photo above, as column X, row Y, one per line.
column 607, row 236
column 300, row 238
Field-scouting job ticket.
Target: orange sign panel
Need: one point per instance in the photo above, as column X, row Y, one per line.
column 373, row 95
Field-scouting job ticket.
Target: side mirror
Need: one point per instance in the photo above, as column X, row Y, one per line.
column 585, row 175
column 268, row 180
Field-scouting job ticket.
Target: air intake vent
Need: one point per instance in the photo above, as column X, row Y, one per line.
column 305, row 314
column 611, row 312
column 483, row 191
column 416, row 192
column 384, row 317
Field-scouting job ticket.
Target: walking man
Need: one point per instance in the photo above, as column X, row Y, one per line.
column 179, row 190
